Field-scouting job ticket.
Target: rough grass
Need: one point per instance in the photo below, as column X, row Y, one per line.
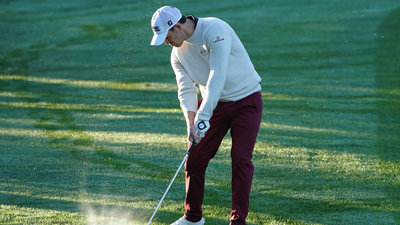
column 91, row 131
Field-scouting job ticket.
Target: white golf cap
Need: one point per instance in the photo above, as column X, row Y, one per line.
column 163, row 19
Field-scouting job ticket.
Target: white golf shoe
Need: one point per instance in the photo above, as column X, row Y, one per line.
column 183, row 221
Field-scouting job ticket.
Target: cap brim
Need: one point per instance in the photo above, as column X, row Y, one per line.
column 158, row 39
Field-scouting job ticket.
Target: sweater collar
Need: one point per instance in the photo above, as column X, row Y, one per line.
column 195, row 20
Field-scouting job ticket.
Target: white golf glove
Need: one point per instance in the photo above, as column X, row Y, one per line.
column 202, row 127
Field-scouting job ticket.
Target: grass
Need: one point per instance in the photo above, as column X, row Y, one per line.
column 91, row 131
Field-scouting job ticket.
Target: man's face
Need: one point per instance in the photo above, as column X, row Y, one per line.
column 174, row 38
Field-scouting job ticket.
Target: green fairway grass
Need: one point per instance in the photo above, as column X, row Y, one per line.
column 91, row 131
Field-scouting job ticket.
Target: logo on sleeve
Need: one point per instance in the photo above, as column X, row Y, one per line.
column 217, row 39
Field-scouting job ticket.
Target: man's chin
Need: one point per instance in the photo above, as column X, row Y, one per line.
column 175, row 45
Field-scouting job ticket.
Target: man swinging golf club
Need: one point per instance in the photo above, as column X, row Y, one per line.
column 207, row 52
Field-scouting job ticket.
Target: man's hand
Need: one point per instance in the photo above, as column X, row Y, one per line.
column 191, row 129
column 202, row 127
column 196, row 129
column 192, row 134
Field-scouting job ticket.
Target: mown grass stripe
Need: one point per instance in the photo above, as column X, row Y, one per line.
column 96, row 84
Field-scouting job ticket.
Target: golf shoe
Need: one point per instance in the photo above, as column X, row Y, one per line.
column 183, row 221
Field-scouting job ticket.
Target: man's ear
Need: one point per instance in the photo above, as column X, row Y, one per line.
column 178, row 26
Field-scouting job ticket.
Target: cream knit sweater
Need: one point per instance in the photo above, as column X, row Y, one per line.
column 215, row 59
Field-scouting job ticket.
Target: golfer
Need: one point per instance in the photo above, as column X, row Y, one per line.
column 207, row 52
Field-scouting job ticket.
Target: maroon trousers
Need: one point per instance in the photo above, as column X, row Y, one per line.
column 243, row 117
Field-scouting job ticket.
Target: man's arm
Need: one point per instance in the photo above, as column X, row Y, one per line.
column 218, row 41
column 187, row 95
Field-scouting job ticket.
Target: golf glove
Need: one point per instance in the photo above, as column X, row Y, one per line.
column 202, row 127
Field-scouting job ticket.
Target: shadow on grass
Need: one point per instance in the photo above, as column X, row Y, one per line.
column 98, row 109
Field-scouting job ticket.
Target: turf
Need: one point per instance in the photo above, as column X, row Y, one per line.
column 91, row 131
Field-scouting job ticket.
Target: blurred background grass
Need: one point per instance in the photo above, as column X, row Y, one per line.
column 91, row 131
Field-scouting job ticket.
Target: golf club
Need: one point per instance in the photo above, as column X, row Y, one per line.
column 177, row 171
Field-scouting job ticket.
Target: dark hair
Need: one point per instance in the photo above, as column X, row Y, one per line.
column 181, row 21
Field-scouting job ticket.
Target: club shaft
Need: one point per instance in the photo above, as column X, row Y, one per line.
column 172, row 181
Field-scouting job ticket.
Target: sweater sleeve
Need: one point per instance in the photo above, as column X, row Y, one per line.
column 218, row 40
column 187, row 91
